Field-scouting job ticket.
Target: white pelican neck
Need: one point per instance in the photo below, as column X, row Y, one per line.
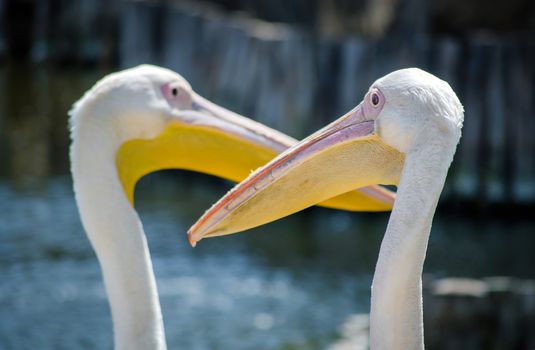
column 117, row 236
column 396, row 317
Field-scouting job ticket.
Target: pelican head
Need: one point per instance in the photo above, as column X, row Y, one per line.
column 406, row 112
column 409, row 104
column 149, row 118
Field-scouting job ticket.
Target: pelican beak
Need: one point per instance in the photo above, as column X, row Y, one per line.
column 344, row 155
column 210, row 139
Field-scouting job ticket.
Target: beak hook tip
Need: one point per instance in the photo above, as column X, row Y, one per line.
column 192, row 240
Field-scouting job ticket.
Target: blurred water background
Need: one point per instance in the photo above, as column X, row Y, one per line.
column 293, row 65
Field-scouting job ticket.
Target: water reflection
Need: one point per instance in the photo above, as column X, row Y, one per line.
column 288, row 285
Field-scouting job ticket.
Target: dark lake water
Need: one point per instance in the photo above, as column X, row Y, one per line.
column 287, row 285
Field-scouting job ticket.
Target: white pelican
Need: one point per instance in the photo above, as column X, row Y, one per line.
column 404, row 132
column 142, row 120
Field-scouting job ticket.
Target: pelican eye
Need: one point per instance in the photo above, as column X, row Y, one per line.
column 375, row 98
column 177, row 96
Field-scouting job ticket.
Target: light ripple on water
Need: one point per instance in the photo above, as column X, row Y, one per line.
column 52, row 296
